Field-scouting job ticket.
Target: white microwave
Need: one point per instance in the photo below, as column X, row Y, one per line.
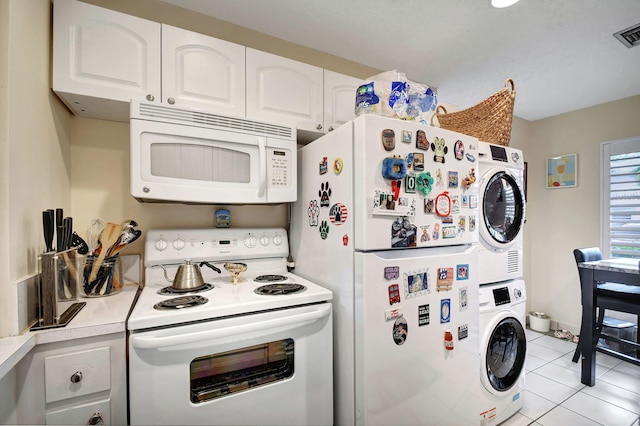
column 192, row 156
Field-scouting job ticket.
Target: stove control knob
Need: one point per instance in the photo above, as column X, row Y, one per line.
column 277, row 240
column 264, row 240
column 161, row 244
column 250, row 240
column 178, row 244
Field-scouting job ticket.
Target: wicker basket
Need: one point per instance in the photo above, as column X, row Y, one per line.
column 489, row 121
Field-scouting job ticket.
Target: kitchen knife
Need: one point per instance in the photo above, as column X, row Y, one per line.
column 59, row 236
column 68, row 230
column 47, row 225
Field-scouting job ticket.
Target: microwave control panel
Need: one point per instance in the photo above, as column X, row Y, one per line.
column 280, row 168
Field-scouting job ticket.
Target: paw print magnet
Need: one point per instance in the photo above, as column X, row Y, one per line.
column 338, row 214
column 324, row 229
column 313, row 212
column 324, row 194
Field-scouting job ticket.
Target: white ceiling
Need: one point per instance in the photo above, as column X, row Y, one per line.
column 560, row 53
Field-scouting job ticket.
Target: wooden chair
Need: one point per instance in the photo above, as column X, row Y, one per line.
column 612, row 296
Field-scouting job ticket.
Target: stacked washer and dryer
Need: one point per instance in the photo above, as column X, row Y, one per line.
column 503, row 343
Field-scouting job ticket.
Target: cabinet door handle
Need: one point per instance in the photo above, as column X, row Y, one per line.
column 319, row 127
column 76, row 377
column 150, row 98
column 171, row 101
column 95, row 419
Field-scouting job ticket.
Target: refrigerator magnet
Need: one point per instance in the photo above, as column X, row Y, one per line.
column 403, row 233
column 421, row 140
column 323, row 166
column 388, row 139
column 394, row 294
column 473, row 201
column 424, row 183
column 449, row 232
column 392, row 313
column 453, row 179
column 470, row 157
column 458, row 150
column 324, row 193
column 416, row 283
column 445, row 279
column 445, row 311
column 462, row 221
column 418, row 161
column 455, row 204
column 338, row 214
column 409, row 160
column 410, row 183
column 406, row 136
column 463, row 294
column 313, row 212
column 423, row 315
column 462, row 271
column 324, row 229
column 436, row 231
column 469, row 179
column 394, row 167
column 439, row 149
column 338, row 164
column 391, row 272
column 463, row 331
column 400, row 331
column 345, row 240
column 472, row 223
column 443, row 204
column 424, row 236
column 428, row 205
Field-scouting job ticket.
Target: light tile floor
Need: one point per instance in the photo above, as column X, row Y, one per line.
column 554, row 395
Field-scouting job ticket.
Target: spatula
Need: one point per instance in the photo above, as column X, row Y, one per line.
column 108, row 238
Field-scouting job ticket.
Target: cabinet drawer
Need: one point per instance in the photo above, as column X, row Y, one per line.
column 77, row 373
column 84, row 414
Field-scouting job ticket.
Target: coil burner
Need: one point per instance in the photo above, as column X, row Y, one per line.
column 170, row 290
column 181, row 302
column 269, row 278
column 280, row 289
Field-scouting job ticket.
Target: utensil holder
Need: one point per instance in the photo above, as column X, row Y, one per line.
column 108, row 281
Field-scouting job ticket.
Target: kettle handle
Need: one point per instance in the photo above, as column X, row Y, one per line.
column 210, row 266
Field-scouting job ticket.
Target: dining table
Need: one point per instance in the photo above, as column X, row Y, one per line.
column 616, row 270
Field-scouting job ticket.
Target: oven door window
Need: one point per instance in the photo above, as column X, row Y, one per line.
column 503, row 207
column 506, row 354
column 218, row 375
column 200, row 162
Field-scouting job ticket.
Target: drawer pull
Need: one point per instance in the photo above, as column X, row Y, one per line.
column 76, row 377
column 96, row 419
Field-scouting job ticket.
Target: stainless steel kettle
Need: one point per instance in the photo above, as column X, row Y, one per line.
column 188, row 276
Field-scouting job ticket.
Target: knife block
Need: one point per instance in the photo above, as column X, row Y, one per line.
column 58, row 289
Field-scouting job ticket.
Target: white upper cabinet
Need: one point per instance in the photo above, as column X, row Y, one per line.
column 202, row 72
column 100, row 55
column 339, row 99
column 281, row 90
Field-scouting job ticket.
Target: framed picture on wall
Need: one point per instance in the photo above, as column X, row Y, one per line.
column 562, row 171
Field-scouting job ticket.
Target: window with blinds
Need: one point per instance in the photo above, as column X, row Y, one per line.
column 621, row 198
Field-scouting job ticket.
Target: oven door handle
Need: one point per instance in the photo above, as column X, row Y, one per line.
column 299, row 320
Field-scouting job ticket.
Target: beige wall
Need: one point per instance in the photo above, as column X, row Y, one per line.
column 559, row 220
column 35, row 148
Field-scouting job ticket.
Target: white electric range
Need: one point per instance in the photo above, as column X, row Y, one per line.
column 243, row 353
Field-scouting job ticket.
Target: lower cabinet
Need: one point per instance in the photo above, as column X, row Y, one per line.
column 75, row 382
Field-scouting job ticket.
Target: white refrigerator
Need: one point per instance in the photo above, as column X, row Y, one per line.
column 386, row 217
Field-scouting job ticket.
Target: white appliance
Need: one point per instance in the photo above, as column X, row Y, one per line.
column 192, row 156
column 245, row 356
column 501, row 177
column 503, row 347
column 401, row 264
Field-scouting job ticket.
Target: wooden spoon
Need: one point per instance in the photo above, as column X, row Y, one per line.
column 108, row 238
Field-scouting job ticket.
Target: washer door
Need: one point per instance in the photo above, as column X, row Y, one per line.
column 502, row 208
column 504, row 349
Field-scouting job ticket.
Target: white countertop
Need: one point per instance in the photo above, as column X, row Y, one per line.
column 101, row 315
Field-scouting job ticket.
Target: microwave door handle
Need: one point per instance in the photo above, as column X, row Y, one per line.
column 299, row 320
column 262, row 148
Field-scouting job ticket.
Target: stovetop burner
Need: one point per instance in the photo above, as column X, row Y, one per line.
column 278, row 289
column 181, row 302
column 269, row 278
column 170, row 290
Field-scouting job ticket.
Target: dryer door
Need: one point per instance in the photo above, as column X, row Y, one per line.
column 504, row 348
column 502, row 208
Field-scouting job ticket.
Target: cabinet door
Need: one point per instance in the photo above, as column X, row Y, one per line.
column 339, row 99
column 91, row 413
column 202, row 72
column 102, row 59
column 284, row 91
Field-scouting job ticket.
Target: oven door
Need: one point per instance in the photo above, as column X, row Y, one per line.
column 171, row 162
column 271, row 368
